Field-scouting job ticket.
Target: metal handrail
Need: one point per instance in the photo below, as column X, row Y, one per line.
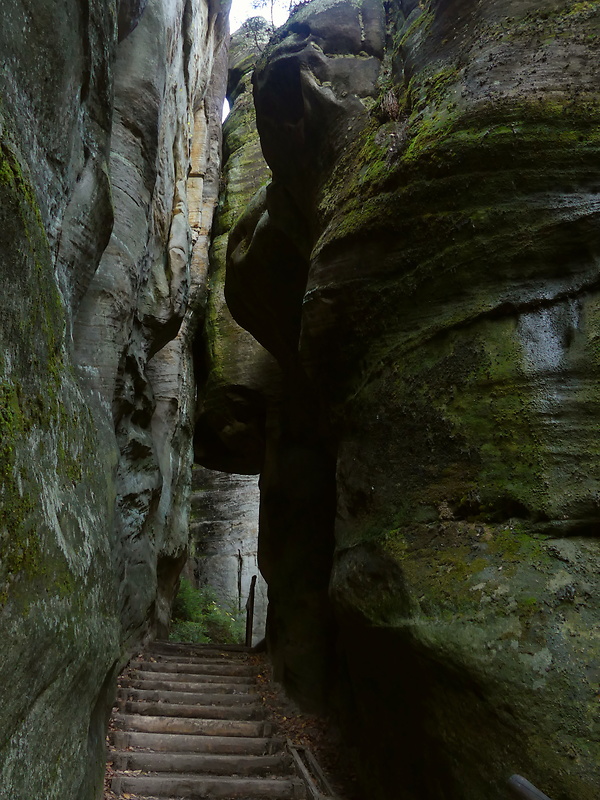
column 522, row 788
column 250, row 612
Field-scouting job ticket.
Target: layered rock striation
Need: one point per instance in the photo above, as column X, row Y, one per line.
column 424, row 268
column 103, row 270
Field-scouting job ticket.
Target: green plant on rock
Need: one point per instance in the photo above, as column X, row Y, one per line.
column 199, row 619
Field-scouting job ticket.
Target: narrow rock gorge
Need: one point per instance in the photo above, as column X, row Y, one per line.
column 379, row 295
column 223, row 543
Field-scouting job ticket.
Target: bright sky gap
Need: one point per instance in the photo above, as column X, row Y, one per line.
column 241, row 10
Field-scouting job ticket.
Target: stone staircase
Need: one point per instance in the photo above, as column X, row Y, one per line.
column 189, row 725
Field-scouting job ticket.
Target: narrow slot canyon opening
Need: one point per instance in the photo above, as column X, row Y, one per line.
column 310, row 315
column 223, row 558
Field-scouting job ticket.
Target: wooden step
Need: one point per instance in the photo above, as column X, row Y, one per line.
column 192, row 786
column 202, row 699
column 208, row 764
column 191, row 725
column 193, row 711
column 152, row 668
column 182, row 743
column 154, row 684
column 157, row 674
column 231, row 650
column 197, row 668
column 199, row 727
column 182, row 658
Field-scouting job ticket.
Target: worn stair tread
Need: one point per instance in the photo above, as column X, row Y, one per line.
column 160, row 709
column 155, row 684
column 179, row 742
column 230, row 649
column 194, row 797
column 181, row 658
column 197, row 668
column 193, row 786
column 191, row 724
column 209, row 764
column 201, row 698
column 204, row 727
column 186, row 677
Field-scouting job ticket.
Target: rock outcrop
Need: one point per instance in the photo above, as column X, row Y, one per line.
column 424, row 268
column 416, row 260
column 96, row 384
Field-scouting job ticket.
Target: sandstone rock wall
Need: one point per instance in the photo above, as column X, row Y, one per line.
column 224, row 542
column 424, row 267
column 97, row 394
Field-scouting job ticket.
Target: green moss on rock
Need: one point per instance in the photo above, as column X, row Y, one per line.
column 39, row 418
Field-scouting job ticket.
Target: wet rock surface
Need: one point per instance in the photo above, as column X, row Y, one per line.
column 424, row 267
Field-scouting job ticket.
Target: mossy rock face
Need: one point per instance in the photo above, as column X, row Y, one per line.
column 92, row 481
column 469, row 218
column 58, row 616
column 487, row 637
column 469, row 432
column 312, row 88
column 449, row 339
